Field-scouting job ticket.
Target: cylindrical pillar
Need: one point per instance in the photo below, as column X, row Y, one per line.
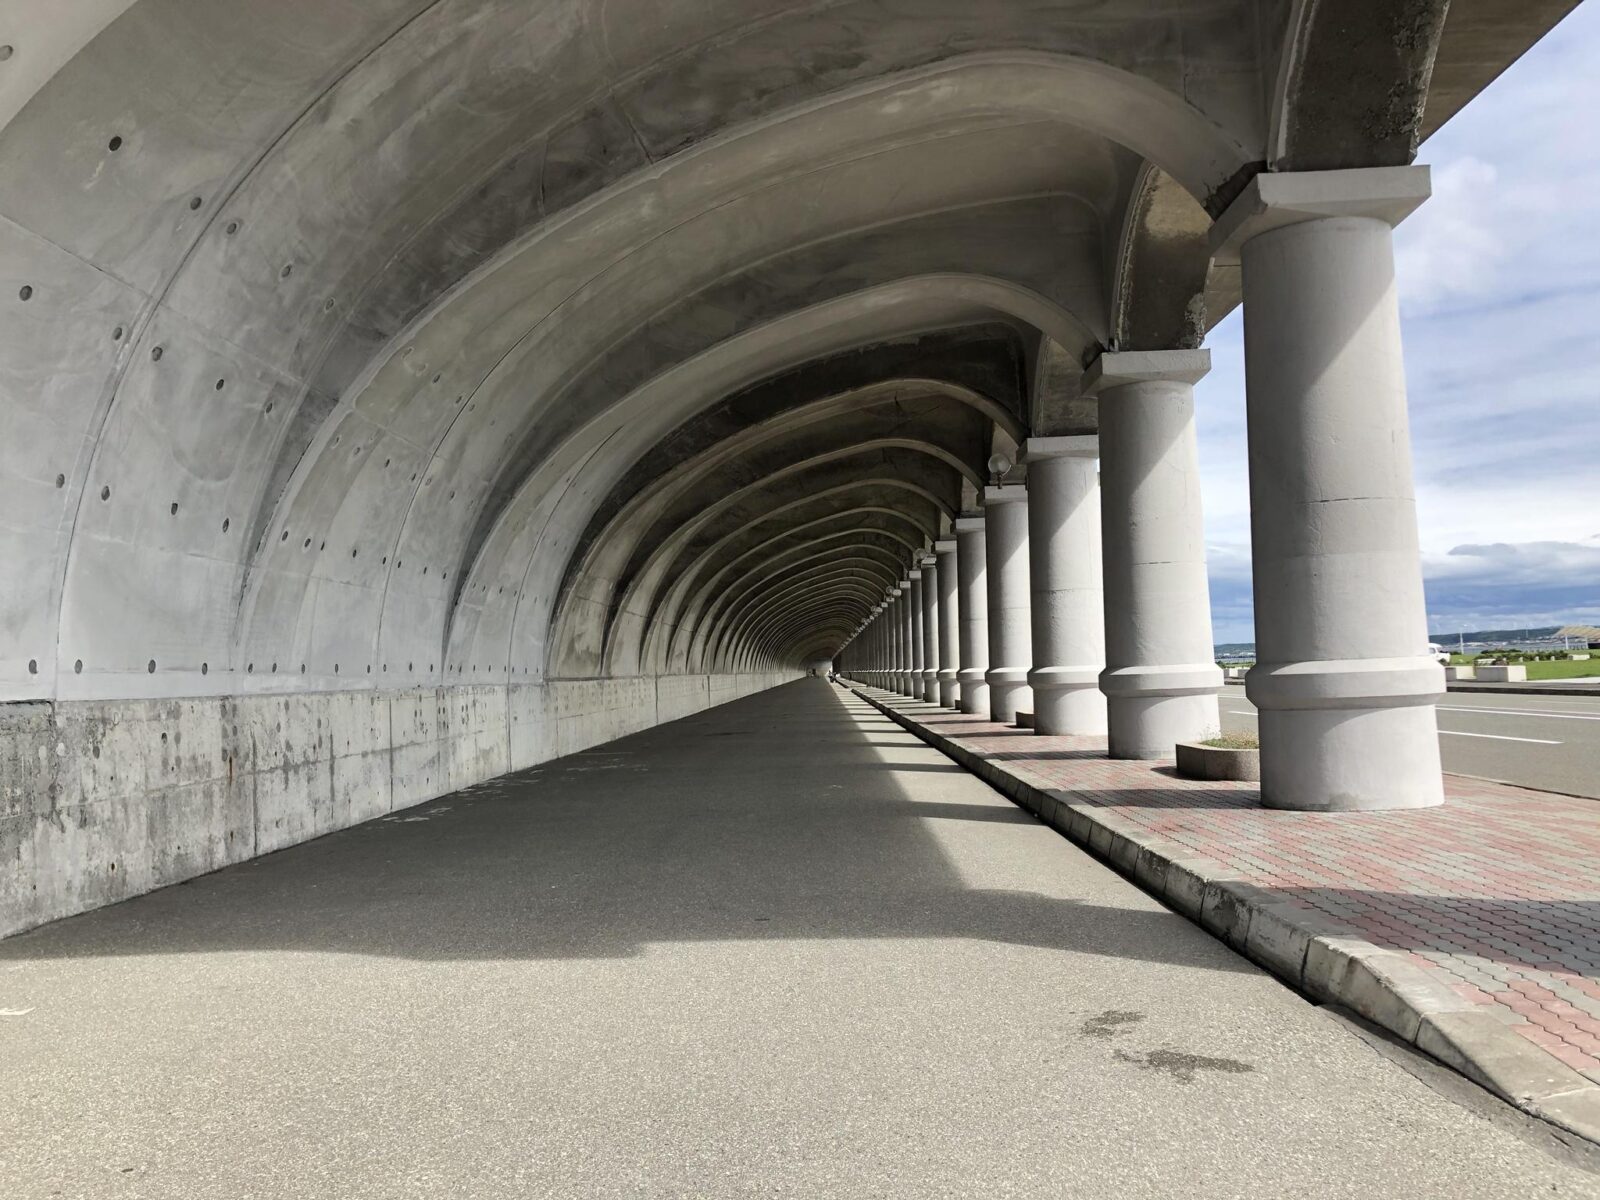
column 914, row 633
column 903, row 676
column 1344, row 685
column 972, row 605
column 1161, row 680
column 1066, row 600
column 898, row 612
column 928, row 683
column 1005, row 513
column 949, row 649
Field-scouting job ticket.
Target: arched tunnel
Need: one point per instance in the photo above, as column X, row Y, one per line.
column 403, row 393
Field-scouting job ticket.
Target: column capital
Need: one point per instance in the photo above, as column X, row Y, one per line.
column 915, row 573
column 1118, row 369
column 945, row 546
column 927, row 559
column 1274, row 199
column 1004, row 495
column 970, row 524
column 1083, row 445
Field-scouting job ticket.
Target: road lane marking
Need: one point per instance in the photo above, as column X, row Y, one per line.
column 1520, row 712
column 1499, row 737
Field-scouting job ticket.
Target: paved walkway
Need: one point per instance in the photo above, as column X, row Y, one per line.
column 782, row 948
column 1497, row 894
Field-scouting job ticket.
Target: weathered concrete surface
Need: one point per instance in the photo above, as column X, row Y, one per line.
column 780, row 948
column 104, row 800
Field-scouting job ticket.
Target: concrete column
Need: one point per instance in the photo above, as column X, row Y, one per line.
column 972, row 606
column 907, row 639
column 898, row 670
column 914, row 627
column 1005, row 514
column 948, row 620
column 1344, row 684
column 1161, row 679
column 1066, row 600
column 928, row 683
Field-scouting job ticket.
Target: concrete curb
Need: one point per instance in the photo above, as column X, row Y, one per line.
column 1383, row 986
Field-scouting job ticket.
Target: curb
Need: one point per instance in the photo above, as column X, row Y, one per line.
column 1381, row 985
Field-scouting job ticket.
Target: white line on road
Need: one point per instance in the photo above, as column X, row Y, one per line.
column 1499, row 737
column 1520, row 712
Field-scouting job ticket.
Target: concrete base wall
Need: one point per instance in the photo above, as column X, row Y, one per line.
column 103, row 800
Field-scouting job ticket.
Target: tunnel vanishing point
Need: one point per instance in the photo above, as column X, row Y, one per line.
column 398, row 394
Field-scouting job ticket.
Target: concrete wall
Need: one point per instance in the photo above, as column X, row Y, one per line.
column 102, row 800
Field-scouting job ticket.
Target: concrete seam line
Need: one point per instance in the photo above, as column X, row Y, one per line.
column 1381, row 985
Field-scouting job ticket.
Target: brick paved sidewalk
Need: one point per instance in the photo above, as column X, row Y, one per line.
column 1497, row 894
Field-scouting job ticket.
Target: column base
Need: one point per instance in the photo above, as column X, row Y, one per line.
column 947, row 689
column 930, row 686
column 974, row 692
column 1150, row 709
column 1008, row 691
column 1149, row 727
column 1350, row 759
column 1067, row 700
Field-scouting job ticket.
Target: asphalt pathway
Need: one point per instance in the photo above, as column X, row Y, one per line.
column 778, row 949
column 1550, row 742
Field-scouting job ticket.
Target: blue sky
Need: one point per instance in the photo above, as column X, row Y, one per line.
column 1500, row 299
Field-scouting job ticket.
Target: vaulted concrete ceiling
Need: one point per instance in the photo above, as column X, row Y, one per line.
column 402, row 341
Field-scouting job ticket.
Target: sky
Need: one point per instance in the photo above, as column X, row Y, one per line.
column 1500, row 306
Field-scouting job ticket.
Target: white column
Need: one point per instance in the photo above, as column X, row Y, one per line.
column 1066, row 599
column 898, row 680
column 907, row 638
column 1344, row 684
column 914, row 609
column 1005, row 514
column 949, row 649
column 972, row 606
column 1161, row 680
column 928, row 681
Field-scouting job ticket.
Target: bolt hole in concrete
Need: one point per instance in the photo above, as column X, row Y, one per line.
column 150, row 666
column 221, row 383
column 114, row 144
column 105, row 493
column 288, row 269
column 194, row 203
column 77, row 667
column 26, row 292
column 225, row 524
column 155, row 353
column 33, row 666
column 231, row 228
column 6, row 52
column 61, row 481
column 116, row 334
column 174, row 508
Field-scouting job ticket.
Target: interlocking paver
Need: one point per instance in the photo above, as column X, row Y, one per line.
column 1498, row 892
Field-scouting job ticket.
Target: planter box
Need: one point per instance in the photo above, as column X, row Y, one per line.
column 1510, row 673
column 1451, row 674
column 1213, row 762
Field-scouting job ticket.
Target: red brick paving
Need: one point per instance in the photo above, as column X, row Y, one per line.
column 1498, row 891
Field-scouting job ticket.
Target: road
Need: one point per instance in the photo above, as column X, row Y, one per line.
column 1546, row 742
column 778, row 949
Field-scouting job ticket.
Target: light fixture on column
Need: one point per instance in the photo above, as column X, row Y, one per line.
column 999, row 465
